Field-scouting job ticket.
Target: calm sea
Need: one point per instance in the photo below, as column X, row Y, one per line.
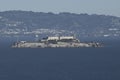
column 60, row 63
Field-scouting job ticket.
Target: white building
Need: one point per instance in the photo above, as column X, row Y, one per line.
column 60, row 38
column 66, row 37
column 53, row 38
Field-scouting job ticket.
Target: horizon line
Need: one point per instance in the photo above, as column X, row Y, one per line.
column 58, row 12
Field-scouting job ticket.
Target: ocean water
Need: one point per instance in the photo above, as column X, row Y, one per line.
column 60, row 63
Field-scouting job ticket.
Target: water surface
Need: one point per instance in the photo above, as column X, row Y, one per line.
column 60, row 63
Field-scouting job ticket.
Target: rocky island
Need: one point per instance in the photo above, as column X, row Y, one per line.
column 54, row 42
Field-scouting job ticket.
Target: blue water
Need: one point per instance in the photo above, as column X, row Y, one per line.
column 60, row 63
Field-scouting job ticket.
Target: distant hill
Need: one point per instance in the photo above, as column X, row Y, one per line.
column 28, row 22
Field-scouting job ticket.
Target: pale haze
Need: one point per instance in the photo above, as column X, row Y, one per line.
column 107, row 7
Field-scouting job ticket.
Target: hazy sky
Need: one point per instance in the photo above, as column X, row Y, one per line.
column 108, row 7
